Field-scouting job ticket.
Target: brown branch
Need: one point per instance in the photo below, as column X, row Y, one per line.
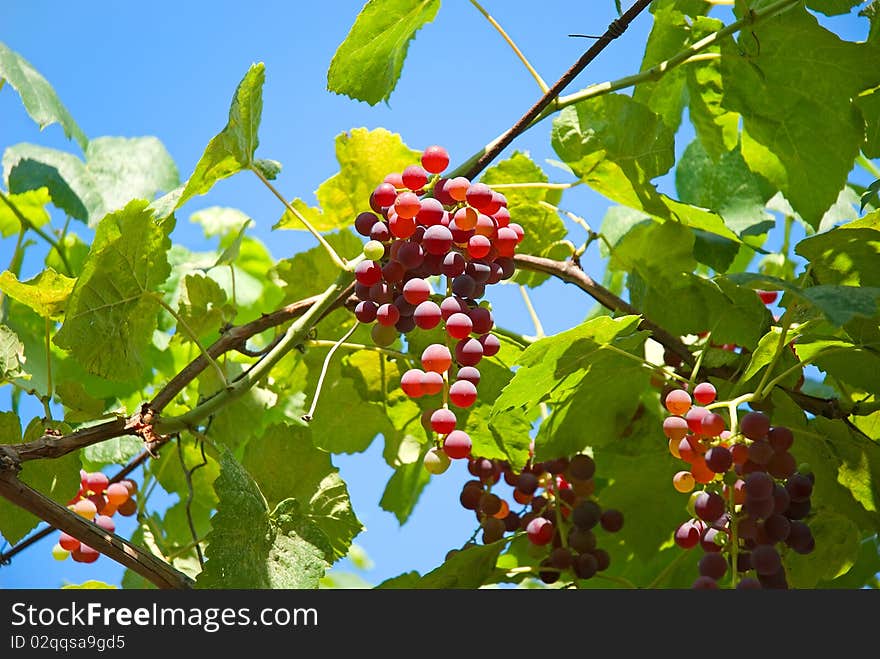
column 570, row 273
column 234, row 339
column 52, row 446
column 144, row 563
column 617, row 27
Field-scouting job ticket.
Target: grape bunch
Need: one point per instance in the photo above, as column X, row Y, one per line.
column 559, row 516
column 423, row 226
column 754, row 496
column 97, row 501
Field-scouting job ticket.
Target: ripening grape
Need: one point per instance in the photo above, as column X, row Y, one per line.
column 462, row 393
column 457, row 444
column 68, row 542
column 678, row 401
column 711, row 425
column 436, row 461
column 459, row 325
column 59, row 553
column 435, row 159
column 374, row 250
column 675, row 428
column 84, row 554
column 491, row 345
column 432, row 383
column 87, row 509
column 540, row 531
column 755, row 425
column 683, row 481
column 709, row 506
column 436, row 357
column 411, row 382
column 468, row 352
column 704, row 393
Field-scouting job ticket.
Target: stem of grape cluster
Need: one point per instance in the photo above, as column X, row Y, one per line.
column 338, row 260
column 308, row 416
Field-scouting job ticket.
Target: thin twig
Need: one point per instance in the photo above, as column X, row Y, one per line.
column 188, row 473
column 308, row 416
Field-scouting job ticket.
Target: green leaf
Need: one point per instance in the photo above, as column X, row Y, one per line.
column 12, row 357
column 542, row 226
column 203, row 307
column 839, row 304
column 81, row 406
column 311, row 271
column 130, row 168
column 219, row 220
column 837, row 549
column 665, row 96
column 869, row 106
column 804, row 140
column 92, row 584
column 47, row 293
column 725, row 186
column 252, row 547
column 232, row 149
column 581, row 374
column 112, row 312
column 855, row 365
column 717, row 128
column 285, row 465
column 268, row 168
column 833, row 7
column 71, row 186
column 847, row 255
column 115, row 451
column 368, row 62
column 57, row 479
column 465, row 569
column 365, row 157
column 403, row 490
column 40, row 100
column 614, row 141
column 31, row 204
column 617, row 145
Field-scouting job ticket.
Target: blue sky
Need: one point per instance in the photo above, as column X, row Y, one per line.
column 169, row 70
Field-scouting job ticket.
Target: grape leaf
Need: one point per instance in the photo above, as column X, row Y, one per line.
column 203, row 307
column 466, row 569
column 57, row 479
column 31, row 204
column 112, row 312
column 725, row 186
column 580, row 378
column 869, row 106
column 617, row 145
column 543, row 227
column 311, row 271
column 285, row 465
column 856, row 365
column 47, row 293
column 717, row 128
column 251, row 546
column 847, row 255
column 232, row 149
column 837, row 549
column 365, row 157
column 71, row 186
column 804, row 140
column 12, row 357
column 39, row 99
column 116, row 451
column 367, row 64
column 670, row 33
column 833, row 7
column 218, row 220
column 403, row 490
column 129, row 168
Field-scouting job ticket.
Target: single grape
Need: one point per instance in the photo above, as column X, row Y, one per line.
column 457, row 444
column 611, row 520
column 470, row 374
column 383, row 335
column 457, row 188
column 493, row 530
column 585, row 565
column 479, row 195
column 387, row 314
column 451, row 305
column 719, row 459
column 704, row 583
column 374, row 250
column 86, row 509
column 780, row 438
column 581, row 467
column 527, row 482
column 436, row 357
column 106, row 523
column 465, row 219
column 453, row 264
column 713, row 565
column 755, row 425
column 459, row 326
column 478, row 246
column 59, row 553
column 683, row 481
column 759, row 486
column 586, row 515
column 464, row 286
column 709, row 506
column 712, row 425
column 411, row 382
column 540, row 531
column 84, row 554
column 766, row 560
column 385, row 194
column 410, row 255
column 678, row 401
column 782, row 465
column 435, row 159
column 416, row 291
column 799, row 487
column 462, row 393
column 777, row 527
column 505, row 241
column 443, row 421
column 68, row 542
column 414, row 177
column 490, row 503
column 468, row 352
column 767, row 297
column 407, row 206
column 432, row 383
column 748, row 583
column 760, row 452
column 364, row 222
column 704, row 393
column 96, row 482
column 687, row 535
column 694, row 418
column 368, row 273
column 365, row 311
column 437, row 240
column 675, row 428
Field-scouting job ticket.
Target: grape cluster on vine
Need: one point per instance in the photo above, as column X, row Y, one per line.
column 559, row 515
column 754, row 497
column 97, row 501
column 423, row 226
